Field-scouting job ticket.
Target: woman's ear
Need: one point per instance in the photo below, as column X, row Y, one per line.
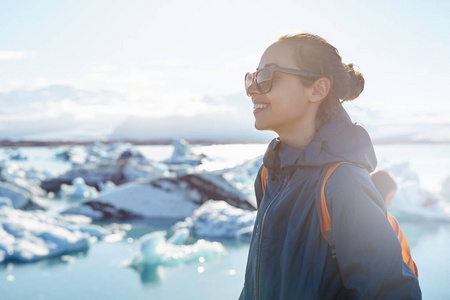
column 320, row 89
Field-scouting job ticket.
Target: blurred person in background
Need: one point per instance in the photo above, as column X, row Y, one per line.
column 387, row 187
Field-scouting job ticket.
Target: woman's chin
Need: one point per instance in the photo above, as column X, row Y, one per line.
column 261, row 126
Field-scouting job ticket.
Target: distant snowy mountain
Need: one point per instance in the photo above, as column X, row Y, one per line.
column 402, row 128
column 220, row 126
column 63, row 112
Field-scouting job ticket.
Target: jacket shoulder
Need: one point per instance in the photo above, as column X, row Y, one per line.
column 351, row 182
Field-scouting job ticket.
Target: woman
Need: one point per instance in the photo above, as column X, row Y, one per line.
column 296, row 93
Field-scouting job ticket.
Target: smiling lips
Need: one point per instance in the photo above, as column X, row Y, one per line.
column 257, row 107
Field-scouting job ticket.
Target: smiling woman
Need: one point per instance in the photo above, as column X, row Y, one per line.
column 297, row 92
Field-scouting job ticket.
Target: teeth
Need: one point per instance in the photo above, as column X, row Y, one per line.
column 258, row 106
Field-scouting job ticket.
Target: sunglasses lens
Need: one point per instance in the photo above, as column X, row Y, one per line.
column 264, row 80
column 248, row 80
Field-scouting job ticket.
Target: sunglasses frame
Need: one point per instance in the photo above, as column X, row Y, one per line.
column 275, row 68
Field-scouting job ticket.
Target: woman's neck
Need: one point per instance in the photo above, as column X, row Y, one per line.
column 299, row 138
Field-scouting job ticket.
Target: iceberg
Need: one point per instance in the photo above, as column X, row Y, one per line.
column 157, row 251
column 118, row 172
column 31, row 236
column 22, row 197
column 183, row 154
column 170, row 198
column 243, row 176
column 79, row 190
column 28, row 180
column 107, row 186
column 412, row 200
column 218, row 219
column 17, row 155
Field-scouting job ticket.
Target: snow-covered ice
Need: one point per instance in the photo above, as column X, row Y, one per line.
column 156, row 250
column 173, row 198
column 183, row 154
column 30, row 236
column 243, row 176
column 411, row 199
column 22, row 195
column 79, row 190
column 95, row 174
column 218, row 219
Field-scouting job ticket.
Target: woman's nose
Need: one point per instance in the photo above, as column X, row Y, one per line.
column 252, row 89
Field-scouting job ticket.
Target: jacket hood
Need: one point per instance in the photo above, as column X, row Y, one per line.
column 338, row 140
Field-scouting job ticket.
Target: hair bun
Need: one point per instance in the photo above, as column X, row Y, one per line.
column 355, row 84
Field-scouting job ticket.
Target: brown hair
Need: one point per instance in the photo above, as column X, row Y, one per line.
column 313, row 53
column 384, row 182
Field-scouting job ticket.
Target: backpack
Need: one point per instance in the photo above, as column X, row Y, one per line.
column 325, row 220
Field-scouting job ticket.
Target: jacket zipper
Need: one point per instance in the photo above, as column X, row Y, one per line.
column 260, row 235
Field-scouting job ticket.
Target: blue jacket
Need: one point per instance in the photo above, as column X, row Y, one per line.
column 289, row 258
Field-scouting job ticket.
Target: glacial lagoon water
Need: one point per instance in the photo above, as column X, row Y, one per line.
column 101, row 272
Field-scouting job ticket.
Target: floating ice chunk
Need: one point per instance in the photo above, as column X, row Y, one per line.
column 82, row 223
column 79, row 190
column 107, row 186
column 74, row 219
column 182, row 154
column 93, row 174
column 179, row 237
column 12, row 170
column 87, row 211
column 2, row 255
column 5, row 202
column 30, row 236
column 18, row 196
column 171, row 198
column 218, row 219
column 17, row 155
column 155, row 250
column 7, row 241
column 243, row 177
column 411, row 199
column 15, row 172
column 24, row 193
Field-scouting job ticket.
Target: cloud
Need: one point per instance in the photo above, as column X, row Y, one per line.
column 16, row 55
column 37, row 113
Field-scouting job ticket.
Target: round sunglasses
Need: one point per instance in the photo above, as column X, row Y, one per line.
column 264, row 77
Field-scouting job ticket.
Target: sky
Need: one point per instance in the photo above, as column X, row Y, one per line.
column 174, row 69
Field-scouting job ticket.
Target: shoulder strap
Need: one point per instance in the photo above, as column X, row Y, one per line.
column 325, row 220
column 264, row 175
column 406, row 250
column 321, row 203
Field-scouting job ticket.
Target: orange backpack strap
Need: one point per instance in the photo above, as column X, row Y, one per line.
column 264, row 175
column 324, row 215
column 325, row 220
column 406, row 250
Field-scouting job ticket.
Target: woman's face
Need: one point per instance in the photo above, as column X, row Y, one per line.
column 389, row 197
column 286, row 107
